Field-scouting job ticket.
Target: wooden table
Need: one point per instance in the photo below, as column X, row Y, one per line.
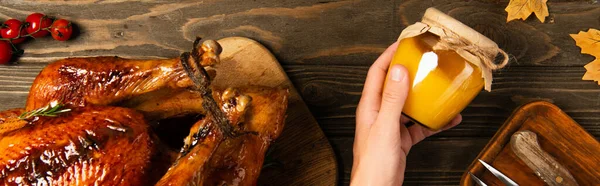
column 326, row 48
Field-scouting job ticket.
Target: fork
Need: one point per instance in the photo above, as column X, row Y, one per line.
column 495, row 172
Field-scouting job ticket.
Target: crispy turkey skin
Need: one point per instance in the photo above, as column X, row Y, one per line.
column 108, row 137
column 88, row 146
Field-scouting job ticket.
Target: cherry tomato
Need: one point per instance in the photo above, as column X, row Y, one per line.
column 10, row 30
column 5, row 52
column 61, row 30
column 37, row 22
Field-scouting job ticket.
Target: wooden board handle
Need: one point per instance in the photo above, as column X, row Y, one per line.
column 525, row 145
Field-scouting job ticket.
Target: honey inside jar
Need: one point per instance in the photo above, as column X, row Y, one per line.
column 442, row 83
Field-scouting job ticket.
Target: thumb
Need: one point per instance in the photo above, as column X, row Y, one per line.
column 394, row 94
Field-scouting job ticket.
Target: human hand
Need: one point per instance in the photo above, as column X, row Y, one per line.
column 382, row 141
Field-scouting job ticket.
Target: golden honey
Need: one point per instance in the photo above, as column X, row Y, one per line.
column 448, row 64
column 442, row 83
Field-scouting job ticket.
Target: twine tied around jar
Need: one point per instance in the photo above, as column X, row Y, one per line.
column 486, row 56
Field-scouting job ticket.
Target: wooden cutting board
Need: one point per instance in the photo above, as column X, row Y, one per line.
column 305, row 154
column 558, row 135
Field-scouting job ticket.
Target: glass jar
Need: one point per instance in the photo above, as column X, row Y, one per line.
column 442, row 81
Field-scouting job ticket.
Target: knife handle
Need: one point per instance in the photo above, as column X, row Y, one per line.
column 525, row 145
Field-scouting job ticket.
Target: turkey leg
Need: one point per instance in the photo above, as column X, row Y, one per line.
column 115, row 81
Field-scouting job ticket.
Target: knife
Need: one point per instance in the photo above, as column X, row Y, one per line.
column 526, row 146
column 498, row 174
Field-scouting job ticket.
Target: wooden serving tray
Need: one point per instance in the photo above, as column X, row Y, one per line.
column 558, row 135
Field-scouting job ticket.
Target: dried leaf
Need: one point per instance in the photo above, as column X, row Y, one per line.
column 521, row 9
column 592, row 71
column 589, row 42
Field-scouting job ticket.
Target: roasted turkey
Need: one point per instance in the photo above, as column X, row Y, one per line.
column 95, row 121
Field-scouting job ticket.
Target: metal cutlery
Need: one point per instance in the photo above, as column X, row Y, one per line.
column 505, row 179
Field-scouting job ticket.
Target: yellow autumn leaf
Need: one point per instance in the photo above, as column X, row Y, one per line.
column 521, row 9
column 592, row 71
column 589, row 42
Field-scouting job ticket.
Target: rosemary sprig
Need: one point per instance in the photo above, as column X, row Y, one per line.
column 50, row 110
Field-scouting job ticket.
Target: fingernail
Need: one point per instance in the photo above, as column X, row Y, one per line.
column 397, row 74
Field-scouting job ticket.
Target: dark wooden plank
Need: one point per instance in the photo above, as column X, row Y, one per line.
column 332, row 93
column 432, row 162
column 299, row 32
column 530, row 42
column 289, row 28
column 326, row 89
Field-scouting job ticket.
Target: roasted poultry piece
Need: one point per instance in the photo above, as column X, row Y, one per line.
column 93, row 121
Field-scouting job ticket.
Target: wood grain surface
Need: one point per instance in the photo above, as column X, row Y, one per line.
column 557, row 135
column 326, row 48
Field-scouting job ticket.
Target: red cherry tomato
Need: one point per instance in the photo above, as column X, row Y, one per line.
column 10, row 30
column 37, row 22
column 5, row 52
column 61, row 30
